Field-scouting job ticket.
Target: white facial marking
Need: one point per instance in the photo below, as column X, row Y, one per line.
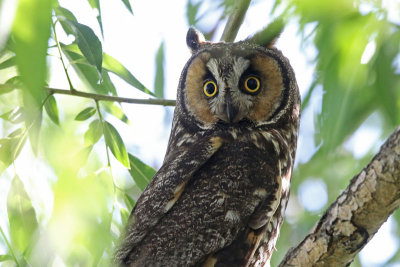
column 227, row 74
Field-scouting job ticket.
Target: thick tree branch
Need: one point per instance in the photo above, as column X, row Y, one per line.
column 356, row 215
column 98, row 97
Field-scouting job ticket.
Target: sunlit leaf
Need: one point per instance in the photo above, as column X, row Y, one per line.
column 21, row 216
column 192, row 10
column 64, row 14
column 96, row 5
column 127, row 5
column 31, row 31
column 11, row 146
column 14, row 116
column 115, row 110
column 16, row 80
column 88, row 43
column 85, row 114
column 4, row 89
column 52, row 109
column 159, row 79
column 387, row 78
column 6, row 258
column 124, row 215
column 129, row 202
column 10, row 62
column 86, row 72
column 112, row 65
column 82, row 156
column 107, row 83
column 270, row 33
column 140, row 172
column 115, row 143
column 81, row 210
column 93, row 133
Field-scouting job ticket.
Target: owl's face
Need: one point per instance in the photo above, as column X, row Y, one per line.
column 228, row 83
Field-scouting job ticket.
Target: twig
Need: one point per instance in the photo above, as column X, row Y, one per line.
column 9, row 247
column 99, row 97
column 61, row 58
column 235, row 20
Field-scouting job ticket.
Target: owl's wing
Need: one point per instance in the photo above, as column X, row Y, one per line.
column 241, row 251
column 164, row 190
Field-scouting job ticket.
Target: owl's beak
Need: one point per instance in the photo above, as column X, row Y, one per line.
column 230, row 109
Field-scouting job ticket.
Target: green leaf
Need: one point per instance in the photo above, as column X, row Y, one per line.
column 107, row 83
column 86, row 72
column 112, row 65
column 93, row 133
column 191, row 12
column 88, row 43
column 129, row 202
column 64, row 14
column 85, row 114
column 124, row 215
column 10, row 62
column 6, row 258
column 51, row 109
column 4, row 89
column 21, row 216
column 96, row 5
column 116, row 111
column 269, row 34
column 82, row 156
column 33, row 122
column 14, row 116
column 159, row 79
column 16, row 80
column 115, row 143
column 140, row 172
column 31, row 31
column 11, row 146
column 128, row 5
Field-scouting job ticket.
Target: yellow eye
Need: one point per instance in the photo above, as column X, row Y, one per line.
column 210, row 88
column 252, row 84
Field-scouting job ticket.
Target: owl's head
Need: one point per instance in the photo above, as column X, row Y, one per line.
column 230, row 83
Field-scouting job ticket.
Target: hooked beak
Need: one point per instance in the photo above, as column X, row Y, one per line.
column 230, row 109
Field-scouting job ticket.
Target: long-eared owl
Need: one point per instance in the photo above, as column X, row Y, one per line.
column 221, row 192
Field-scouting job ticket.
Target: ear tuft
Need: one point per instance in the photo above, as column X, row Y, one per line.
column 194, row 39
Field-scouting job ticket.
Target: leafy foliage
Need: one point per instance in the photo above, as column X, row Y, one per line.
column 356, row 85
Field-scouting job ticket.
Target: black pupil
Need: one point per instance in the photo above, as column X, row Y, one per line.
column 210, row 88
column 252, row 83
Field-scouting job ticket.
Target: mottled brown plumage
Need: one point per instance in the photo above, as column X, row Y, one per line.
column 220, row 195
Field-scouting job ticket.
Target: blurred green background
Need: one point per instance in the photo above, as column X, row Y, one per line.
column 72, row 167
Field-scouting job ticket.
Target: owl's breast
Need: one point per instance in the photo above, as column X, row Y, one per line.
column 235, row 179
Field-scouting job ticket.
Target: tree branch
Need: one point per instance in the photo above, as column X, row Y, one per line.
column 356, row 215
column 98, row 97
column 235, row 20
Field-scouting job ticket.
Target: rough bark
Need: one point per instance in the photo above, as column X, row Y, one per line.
column 356, row 215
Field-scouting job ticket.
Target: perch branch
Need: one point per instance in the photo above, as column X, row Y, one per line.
column 99, row 97
column 356, row 215
column 235, row 20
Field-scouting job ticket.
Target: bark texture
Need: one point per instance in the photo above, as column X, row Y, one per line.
column 356, row 215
